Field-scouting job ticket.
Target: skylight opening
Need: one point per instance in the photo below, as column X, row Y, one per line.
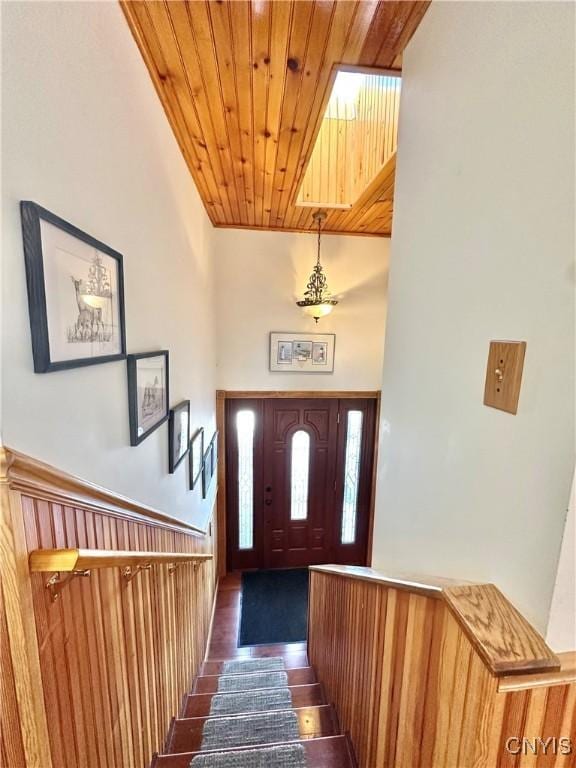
column 357, row 137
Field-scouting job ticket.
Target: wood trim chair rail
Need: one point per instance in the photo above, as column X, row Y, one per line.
column 504, row 640
column 566, row 675
column 28, row 475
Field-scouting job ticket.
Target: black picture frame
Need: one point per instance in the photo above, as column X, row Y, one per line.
column 207, row 471
column 31, row 216
column 214, row 456
column 194, row 477
column 173, row 458
column 132, row 367
column 210, row 464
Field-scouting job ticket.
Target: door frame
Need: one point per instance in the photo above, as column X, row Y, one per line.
column 223, row 394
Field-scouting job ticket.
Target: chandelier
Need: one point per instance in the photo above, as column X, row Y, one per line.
column 317, row 300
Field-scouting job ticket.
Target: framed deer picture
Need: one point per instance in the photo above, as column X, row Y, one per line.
column 75, row 293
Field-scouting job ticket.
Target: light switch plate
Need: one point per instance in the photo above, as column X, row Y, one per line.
column 504, row 375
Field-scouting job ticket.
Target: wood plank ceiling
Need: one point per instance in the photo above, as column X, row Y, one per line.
column 245, row 84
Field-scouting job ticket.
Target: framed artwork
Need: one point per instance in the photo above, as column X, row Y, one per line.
column 207, row 471
column 178, row 434
column 147, row 393
column 214, row 444
column 196, row 457
column 302, row 352
column 75, row 293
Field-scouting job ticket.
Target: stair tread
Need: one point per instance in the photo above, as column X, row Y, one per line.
column 314, row 722
column 239, row 674
column 291, row 661
column 198, row 704
column 243, row 666
column 226, row 650
column 297, row 676
column 323, row 752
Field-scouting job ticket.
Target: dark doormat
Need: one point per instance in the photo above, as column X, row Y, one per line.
column 274, row 607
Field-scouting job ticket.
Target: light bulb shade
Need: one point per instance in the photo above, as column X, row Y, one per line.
column 318, row 309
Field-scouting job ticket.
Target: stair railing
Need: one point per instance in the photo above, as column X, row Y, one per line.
column 437, row 673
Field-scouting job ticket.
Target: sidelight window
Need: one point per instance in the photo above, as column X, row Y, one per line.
column 351, row 477
column 300, row 473
column 245, row 432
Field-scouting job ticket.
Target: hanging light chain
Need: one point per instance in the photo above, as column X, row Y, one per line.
column 317, row 288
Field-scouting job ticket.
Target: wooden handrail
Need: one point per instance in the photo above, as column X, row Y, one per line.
column 81, row 562
column 431, row 586
column 501, row 636
column 69, row 560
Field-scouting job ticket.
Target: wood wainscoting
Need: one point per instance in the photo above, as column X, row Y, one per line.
column 94, row 677
column 425, row 673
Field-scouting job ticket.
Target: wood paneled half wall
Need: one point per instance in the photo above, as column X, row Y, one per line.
column 93, row 677
column 429, row 673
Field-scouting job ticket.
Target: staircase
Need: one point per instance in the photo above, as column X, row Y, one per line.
column 256, row 713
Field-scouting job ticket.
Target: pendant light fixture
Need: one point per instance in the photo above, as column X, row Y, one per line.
column 317, row 300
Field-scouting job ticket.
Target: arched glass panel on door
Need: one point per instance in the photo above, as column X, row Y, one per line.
column 245, row 432
column 351, row 477
column 300, row 463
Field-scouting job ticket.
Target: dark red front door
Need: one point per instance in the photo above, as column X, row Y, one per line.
column 299, row 456
column 298, row 481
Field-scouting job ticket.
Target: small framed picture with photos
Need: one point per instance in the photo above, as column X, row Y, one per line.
column 75, row 293
column 147, row 393
column 302, row 352
column 178, row 434
column 196, row 457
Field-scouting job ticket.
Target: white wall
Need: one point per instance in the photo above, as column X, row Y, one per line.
column 85, row 136
column 260, row 275
column 561, row 633
column 482, row 248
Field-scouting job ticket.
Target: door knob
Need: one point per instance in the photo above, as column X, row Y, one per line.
column 268, row 502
